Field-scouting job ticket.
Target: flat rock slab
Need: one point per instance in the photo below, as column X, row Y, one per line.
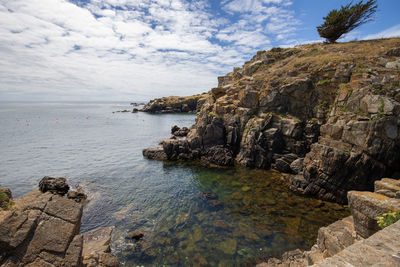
column 52, row 234
column 65, row 209
column 337, row 236
column 42, row 229
column 388, row 187
column 381, row 249
column 366, row 206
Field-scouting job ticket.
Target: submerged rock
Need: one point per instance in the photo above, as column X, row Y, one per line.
column 205, row 196
column 136, row 235
column 97, row 250
column 228, row 246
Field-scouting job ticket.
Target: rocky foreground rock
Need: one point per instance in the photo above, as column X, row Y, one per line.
column 43, row 229
column 326, row 114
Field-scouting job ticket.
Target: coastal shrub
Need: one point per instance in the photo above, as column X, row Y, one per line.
column 211, row 114
column 349, row 17
column 388, row 218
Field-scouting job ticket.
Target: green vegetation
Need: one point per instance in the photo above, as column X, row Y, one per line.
column 324, row 82
column 349, row 17
column 323, row 105
column 4, row 199
column 313, row 52
column 211, row 114
column 326, row 61
column 388, row 218
column 381, row 108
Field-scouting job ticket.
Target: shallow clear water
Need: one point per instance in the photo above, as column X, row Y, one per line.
column 250, row 216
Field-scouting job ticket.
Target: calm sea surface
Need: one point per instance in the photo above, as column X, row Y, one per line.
column 253, row 217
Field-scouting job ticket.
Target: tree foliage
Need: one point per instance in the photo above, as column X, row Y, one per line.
column 349, row 17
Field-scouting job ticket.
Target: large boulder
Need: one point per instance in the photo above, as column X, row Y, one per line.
column 54, row 185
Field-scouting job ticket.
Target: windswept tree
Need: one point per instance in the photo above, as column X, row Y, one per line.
column 349, row 17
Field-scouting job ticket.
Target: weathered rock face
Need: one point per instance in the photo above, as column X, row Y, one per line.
column 381, row 249
column 327, row 114
column 42, row 229
column 176, row 104
column 367, row 206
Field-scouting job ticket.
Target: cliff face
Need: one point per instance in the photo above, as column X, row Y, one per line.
column 326, row 114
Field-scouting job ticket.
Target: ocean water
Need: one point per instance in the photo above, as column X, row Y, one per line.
column 248, row 215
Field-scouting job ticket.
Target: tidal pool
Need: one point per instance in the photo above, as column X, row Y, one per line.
column 220, row 217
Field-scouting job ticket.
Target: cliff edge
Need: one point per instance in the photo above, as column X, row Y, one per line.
column 326, row 114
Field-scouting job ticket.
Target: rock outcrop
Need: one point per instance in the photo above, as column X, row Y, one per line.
column 43, row 228
column 176, row 104
column 326, row 114
column 355, row 240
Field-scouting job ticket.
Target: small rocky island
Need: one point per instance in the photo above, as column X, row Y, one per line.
column 176, row 104
column 43, row 229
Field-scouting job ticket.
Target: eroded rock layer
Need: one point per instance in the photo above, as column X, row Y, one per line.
column 326, row 114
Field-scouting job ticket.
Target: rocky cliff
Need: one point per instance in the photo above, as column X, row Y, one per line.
column 326, row 114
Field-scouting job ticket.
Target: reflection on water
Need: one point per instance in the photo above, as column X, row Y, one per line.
column 221, row 217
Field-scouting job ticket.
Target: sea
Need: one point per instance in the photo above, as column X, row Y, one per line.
column 191, row 215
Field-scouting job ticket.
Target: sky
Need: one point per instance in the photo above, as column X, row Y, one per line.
column 132, row 50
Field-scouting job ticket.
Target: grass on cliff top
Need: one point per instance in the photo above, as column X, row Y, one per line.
column 314, row 56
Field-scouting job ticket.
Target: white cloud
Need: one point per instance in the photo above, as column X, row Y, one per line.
column 120, row 49
column 388, row 33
